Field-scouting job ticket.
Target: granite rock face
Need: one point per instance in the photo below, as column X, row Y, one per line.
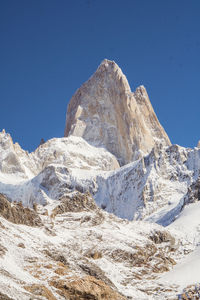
column 107, row 114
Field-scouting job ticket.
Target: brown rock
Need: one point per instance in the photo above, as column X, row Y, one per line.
column 85, row 288
column 2, row 250
column 40, row 290
column 21, row 245
column 5, row 297
column 190, row 292
column 107, row 114
column 159, row 237
column 17, row 213
column 93, row 270
column 79, row 202
column 56, row 256
column 61, row 271
column 149, row 258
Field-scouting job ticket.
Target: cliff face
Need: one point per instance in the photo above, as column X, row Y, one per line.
column 107, row 114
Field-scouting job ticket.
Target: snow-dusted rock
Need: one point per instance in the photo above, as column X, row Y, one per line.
column 193, row 193
column 107, row 114
column 152, row 187
column 73, row 152
column 13, row 159
column 120, row 256
column 52, row 170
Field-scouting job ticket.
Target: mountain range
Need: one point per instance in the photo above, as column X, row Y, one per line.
column 109, row 211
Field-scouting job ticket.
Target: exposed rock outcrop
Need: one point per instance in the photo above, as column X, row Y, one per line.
column 40, row 290
column 42, row 141
column 193, row 193
column 190, row 292
column 12, row 157
column 79, row 202
column 93, row 270
column 5, row 297
column 107, row 114
column 18, row 214
column 87, row 287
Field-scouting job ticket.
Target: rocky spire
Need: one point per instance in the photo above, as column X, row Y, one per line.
column 42, row 141
column 107, row 114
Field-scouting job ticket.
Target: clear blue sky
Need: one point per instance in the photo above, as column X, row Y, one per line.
column 48, row 48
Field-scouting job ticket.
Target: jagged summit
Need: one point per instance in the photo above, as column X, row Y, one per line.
column 107, row 114
column 112, row 72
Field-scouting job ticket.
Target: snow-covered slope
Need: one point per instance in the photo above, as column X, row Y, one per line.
column 137, row 260
column 152, row 187
column 75, row 225
column 127, row 256
column 137, row 257
column 187, row 228
column 73, row 152
column 70, row 152
column 19, row 170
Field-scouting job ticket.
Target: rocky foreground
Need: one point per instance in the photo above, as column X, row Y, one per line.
column 75, row 250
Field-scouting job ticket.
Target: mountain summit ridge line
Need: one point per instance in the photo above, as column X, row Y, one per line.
column 106, row 113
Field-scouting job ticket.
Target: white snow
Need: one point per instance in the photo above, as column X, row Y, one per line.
column 186, row 272
column 151, row 188
column 188, row 223
column 187, row 228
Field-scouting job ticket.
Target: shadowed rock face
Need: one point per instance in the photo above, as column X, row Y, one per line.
column 107, row 114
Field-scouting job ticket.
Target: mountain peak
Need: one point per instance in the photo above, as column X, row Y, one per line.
column 107, row 114
column 108, row 62
column 109, row 66
column 109, row 73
